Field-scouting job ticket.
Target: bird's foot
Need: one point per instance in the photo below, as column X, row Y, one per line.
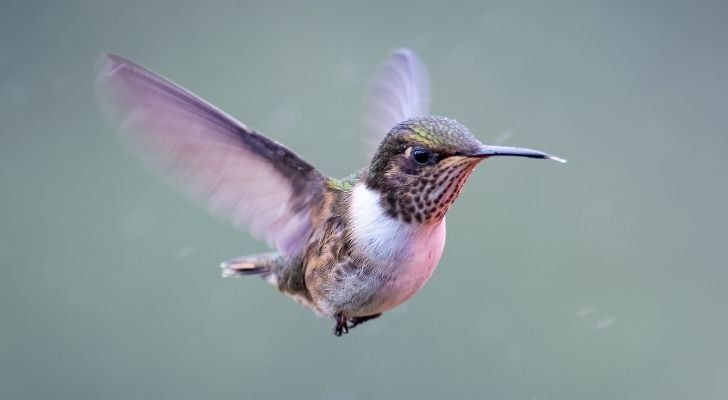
column 354, row 321
column 344, row 323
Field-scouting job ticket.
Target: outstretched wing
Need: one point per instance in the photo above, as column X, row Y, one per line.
column 399, row 90
column 256, row 183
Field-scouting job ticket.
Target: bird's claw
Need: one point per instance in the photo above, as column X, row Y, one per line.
column 342, row 324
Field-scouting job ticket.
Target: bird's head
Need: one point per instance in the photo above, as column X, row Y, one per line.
column 422, row 163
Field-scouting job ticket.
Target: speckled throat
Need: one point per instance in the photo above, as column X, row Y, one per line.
column 425, row 198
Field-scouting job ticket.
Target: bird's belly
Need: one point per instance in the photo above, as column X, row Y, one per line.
column 397, row 280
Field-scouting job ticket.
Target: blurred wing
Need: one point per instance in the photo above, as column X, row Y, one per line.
column 399, row 90
column 255, row 182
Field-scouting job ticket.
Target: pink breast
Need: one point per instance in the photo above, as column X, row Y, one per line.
column 424, row 254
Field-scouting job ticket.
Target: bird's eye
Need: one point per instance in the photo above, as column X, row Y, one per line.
column 421, row 156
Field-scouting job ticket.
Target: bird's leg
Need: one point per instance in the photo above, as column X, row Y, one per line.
column 341, row 326
column 354, row 321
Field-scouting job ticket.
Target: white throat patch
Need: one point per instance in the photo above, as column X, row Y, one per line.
column 382, row 237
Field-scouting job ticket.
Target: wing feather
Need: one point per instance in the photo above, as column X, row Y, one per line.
column 254, row 182
column 399, row 90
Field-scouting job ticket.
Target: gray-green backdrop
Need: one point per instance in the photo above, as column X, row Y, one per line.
column 604, row 278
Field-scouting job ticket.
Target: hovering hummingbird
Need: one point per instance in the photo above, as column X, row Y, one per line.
column 349, row 248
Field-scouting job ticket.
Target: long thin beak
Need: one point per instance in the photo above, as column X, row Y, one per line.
column 497, row 151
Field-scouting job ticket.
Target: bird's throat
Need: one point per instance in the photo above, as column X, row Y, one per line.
column 424, row 199
column 381, row 236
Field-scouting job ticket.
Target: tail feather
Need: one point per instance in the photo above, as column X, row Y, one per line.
column 251, row 265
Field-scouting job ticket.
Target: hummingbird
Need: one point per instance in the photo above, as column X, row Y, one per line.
column 349, row 249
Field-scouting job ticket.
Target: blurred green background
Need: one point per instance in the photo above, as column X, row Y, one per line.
column 604, row 278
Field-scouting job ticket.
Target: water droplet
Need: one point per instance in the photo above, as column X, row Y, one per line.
column 584, row 312
column 605, row 323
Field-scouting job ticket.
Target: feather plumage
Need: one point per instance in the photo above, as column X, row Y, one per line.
column 399, row 90
column 242, row 176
